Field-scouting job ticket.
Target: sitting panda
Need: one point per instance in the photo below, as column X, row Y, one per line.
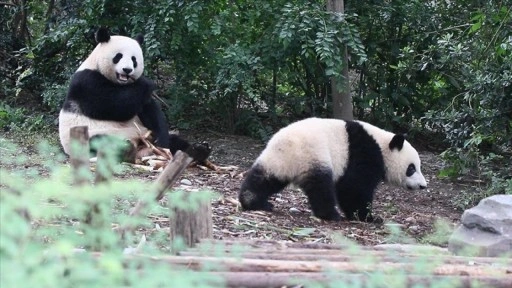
column 332, row 161
column 109, row 95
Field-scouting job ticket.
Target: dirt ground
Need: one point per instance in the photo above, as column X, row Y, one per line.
column 413, row 212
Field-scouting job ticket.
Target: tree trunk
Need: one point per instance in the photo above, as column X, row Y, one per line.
column 341, row 100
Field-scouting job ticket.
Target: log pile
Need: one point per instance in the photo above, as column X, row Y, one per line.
column 284, row 264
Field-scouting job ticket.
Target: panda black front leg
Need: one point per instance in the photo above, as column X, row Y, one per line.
column 257, row 187
column 355, row 202
column 318, row 186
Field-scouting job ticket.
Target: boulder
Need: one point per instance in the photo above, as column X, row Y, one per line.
column 486, row 229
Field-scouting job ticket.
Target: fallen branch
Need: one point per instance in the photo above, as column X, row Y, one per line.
column 171, row 173
column 166, row 179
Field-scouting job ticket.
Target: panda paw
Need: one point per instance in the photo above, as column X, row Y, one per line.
column 199, row 151
column 329, row 216
column 369, row 218
column 377, row 220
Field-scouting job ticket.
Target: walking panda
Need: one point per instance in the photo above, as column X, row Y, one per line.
column 332, row 161
column 109, row 95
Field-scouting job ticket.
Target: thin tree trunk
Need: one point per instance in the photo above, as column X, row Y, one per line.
column 341, row 99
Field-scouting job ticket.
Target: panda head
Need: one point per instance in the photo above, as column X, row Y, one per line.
column 118, row 58
column 403, row 165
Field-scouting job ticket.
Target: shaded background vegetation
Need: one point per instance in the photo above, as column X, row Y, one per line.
column 441, row 70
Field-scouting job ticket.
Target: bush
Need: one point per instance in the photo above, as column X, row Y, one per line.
column 44, row 241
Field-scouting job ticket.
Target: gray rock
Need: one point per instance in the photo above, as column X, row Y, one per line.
column 186, row 182
column 486, row 229
column 294, row 210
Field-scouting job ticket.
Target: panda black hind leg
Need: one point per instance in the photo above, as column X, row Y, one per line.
column 257, row 187
column 319, row 188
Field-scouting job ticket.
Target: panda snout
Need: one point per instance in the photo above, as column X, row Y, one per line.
column 127, row 70
column 413, row 187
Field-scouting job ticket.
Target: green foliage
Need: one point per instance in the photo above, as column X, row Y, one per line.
column 10, row 116
column 43, row 236
column 19, row 119
column 274, row 58
column 441, row 234
column 448, row 65
column 251, row 67
column 54, row 95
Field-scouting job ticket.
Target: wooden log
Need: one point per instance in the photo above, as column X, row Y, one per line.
column 276, row 243
column 279, row 250
column 284, row 279
column 79, row 159
column 191, row 225
column 103, row 168
column 279, row 278
column 233, row 264
column 343, row 256
column 166, row 179
column 171, row 173
column 79, row 154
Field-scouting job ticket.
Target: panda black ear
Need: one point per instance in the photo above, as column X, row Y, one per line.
column 397, row 142
column 102, row 35
column 140, row 39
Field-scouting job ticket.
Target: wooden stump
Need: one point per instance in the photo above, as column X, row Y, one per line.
column 103, row 168
column 79, row 154
column 79, row 159
column 191, row 225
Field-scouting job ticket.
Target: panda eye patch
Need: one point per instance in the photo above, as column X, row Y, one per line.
column 410, row 170
column 134, row 62
column 117, row 58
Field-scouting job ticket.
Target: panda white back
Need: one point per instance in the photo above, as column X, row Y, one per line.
column 294, row 149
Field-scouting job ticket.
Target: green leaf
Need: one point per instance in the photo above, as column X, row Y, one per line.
column 475, row 27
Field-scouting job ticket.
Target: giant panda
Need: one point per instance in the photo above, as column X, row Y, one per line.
column 109, row 94
column 332, row 161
